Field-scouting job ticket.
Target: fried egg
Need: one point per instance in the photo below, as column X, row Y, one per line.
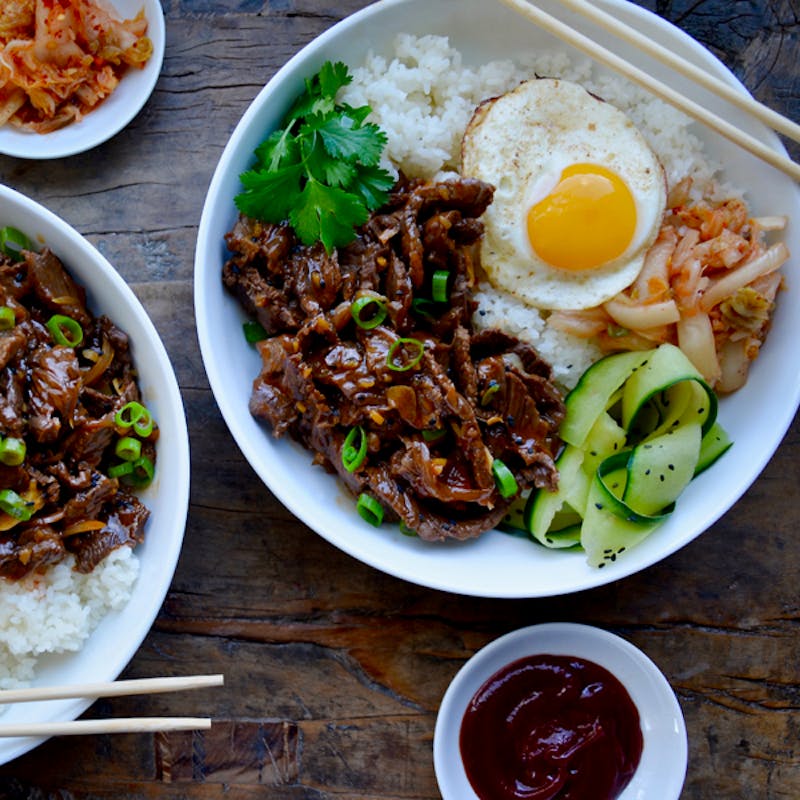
column 579, row 194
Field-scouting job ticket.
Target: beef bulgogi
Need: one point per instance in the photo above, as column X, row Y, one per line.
column 370, row 348
column 65, row 379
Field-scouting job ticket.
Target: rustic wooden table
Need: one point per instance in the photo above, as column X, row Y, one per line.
column 335, row 671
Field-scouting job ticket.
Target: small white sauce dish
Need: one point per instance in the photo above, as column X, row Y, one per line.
column 113, row 114
column 662, row 768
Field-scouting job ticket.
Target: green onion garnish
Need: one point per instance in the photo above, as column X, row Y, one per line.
column 7, row 318
column 65, row 330
column 504, row 479
column 12, row 241
column 14, row 505
column 12, row 451
column 135, row 415
column 423, row 307
column 353, row 456
column 128, row 448
column 370, row 510
column 433, row 436
column 143, row 471
column 119, row 470
column 406, row 531
column 368, row 311
column 253, row 332
column 412, row 349
column 492, row 389
column 439, row 290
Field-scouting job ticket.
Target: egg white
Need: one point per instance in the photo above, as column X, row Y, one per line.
column 521, row 142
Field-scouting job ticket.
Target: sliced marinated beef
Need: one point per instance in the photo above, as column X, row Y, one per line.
column 125, row 519
column 54, row 287
column 62, row 401
column 436, row 403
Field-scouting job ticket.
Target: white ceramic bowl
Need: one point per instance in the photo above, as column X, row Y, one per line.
column 119, row 634
column 495, row 565
column 662, row 767
column 113, row 114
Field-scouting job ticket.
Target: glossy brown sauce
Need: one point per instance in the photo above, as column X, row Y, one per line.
column 551, row 728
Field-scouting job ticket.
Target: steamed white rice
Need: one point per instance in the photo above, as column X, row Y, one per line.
column 55, row 612
column 423, row 96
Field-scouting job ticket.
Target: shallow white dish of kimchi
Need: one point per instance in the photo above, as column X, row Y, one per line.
column 73, row 73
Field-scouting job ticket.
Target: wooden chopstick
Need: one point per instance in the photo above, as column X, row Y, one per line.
column 737, row 98
column 108, row 689
column 80, row 727
column 603, row 55
column 111, row 688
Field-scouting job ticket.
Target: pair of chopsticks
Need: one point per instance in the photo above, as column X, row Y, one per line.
column 111, row 689
column 599, row 53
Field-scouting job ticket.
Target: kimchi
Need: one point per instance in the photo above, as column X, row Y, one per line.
column 59, row 59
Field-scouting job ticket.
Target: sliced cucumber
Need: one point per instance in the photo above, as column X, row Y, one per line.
column 573, row 489
column 660, row 469
column 663, row 368
column 639, row 427
column 715, row 443
column 605, row 438
column 604, row 535
column 515, row 516
column 593, row 393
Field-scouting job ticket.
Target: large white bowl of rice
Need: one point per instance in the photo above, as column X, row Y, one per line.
column 423, row 67
column 61, row 626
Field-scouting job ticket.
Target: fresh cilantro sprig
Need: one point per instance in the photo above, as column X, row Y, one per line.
column 319, row 170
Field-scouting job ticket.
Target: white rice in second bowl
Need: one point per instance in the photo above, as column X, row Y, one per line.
column 423, row 97
column 56, row 611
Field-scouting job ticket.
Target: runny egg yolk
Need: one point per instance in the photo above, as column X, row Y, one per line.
column 587, row 220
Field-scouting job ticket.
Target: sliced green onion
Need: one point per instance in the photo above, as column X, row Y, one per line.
column 433, row 436
column 119, row 470
column 12, row 451
column 353, row 456
column 413, row 350
column 7, row 318
column 370, row 510
column 13, row 241
column 491, row 390
column 65, row 330
column 406, row 531
column 423, row 307
column 504, row 479
column 135, row 415
column 128, row 448
column 143, row 472
column 374, row 316
column 439, row 290
column 15, row 506
column 254, row 332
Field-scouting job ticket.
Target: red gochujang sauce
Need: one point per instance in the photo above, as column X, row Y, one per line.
column 551, row 728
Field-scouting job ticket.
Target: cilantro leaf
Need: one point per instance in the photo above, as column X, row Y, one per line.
column 347, row 141
column 320, row 94
column 278, row 150
column 327, row 214
column 372, row 184
column 333, row 77
column 269, row 195
column 320, row 170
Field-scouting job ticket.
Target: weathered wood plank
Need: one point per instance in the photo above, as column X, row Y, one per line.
column 334, row 671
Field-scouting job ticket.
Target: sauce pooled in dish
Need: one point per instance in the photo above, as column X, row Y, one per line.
column 550, row 727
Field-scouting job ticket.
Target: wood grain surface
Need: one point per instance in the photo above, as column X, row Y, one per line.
column 334, row 672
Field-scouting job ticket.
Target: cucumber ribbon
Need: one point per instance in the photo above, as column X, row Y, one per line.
column 639, row 427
